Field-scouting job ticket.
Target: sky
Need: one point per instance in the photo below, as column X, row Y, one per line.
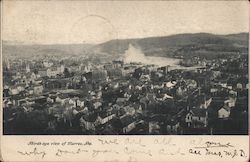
column 68, row 22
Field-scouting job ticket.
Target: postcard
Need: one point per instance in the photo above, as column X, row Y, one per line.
column 124, row 81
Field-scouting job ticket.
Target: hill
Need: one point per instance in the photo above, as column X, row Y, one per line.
column 180, row 44
column 12, row 49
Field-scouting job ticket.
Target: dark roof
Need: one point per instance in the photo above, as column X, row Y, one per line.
column 126, row 120
column 103, row 114
column 159, row 118
column 82, row 99
column 63, row 96
column 135, row 106
column 90, row 118
column 53, row 97
column 172, row 122
column 199, row 112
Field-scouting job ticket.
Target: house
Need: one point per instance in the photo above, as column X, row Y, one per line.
column 145, row 77
column 14, row 90
column 15, row 99
column 33, row 77
column 87, row 122
column 73, row 101
column 117, row 63
column 129, row 110
column 172, row 126
column 85, row 68
column 98, row 94
column 169, row 84
column 239, row 86
column 74, row 68
column 38, row 89
column 80, row 102
column 224, row 112
column 127, row 70
column 47, row 64
column 137, row 108
column 6, row 103
column 30, row 101
column 75, row 112
column 26, row 102
column 61, row 98
column 118, row 110
column 52, row 72
column 163, row 97
column 191, row 84
column 39, row 99
column 197, row 118
column 42, row 73
column 232, row 93
column 104, row 117
column 154, row 127
column 230, row 102
column 97, row 104
column 37, row 81
column 128, row 123
column 20, row 87
column 52, row 98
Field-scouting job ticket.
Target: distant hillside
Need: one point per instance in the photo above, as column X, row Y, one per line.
column 56, row 49
column 173, row 45
column 180, row 44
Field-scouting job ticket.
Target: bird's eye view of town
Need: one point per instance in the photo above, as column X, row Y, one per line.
column 178, row 79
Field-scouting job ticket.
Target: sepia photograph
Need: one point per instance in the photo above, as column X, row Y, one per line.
column 125, row 68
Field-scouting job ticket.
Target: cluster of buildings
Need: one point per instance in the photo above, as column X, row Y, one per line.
column 118, row 98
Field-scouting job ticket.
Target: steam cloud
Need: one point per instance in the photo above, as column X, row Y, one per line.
column 135, row 55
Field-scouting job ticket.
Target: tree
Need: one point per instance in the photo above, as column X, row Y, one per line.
column 66, row 72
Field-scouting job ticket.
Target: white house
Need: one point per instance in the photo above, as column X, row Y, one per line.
column 80, row 102
column 197, row 118
column 105, row 118
column 224, row 112
column 73, row 101
column 239, row 86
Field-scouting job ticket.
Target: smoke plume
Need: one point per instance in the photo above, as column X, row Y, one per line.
column 135, row 55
